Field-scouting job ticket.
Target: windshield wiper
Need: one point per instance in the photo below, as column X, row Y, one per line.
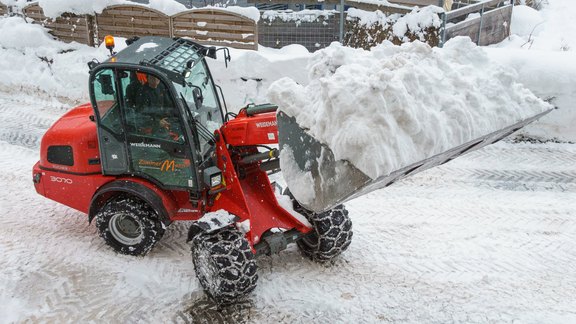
column 202, row 130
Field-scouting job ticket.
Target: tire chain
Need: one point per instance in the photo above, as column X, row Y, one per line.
column 235, row 265
column 332, row 235
column 144, row 215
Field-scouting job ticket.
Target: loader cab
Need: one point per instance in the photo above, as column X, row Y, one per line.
column 156, row 109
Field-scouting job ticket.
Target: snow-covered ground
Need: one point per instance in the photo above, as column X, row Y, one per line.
column 488, row 237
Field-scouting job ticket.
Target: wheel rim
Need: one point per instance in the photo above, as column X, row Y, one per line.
column 125, row 229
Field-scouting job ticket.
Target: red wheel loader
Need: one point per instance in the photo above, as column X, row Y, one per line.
column 157, row 145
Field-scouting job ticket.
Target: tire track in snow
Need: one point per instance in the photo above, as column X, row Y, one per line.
column 24, row 125
column 549, row 154
column 454, row 244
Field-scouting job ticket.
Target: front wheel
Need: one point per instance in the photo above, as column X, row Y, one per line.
column 332, row 235
column 224, row 264
column 129, row 226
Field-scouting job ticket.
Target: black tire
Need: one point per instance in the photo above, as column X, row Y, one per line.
column 331, row 236
column 224, row 264
column 129, row 226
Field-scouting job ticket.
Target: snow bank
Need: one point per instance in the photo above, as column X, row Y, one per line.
column 550, row 75
column 526, row 21
column 38, row 62
column 250, row 73
column 395, row 105
column 553, row 27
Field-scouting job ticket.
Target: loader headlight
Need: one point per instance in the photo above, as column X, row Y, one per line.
column 212, row 177
column 216, row 180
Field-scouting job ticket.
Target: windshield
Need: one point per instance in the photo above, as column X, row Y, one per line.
column 208, row 113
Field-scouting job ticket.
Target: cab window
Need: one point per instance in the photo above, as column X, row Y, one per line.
column 156, row 139
column 105, row 95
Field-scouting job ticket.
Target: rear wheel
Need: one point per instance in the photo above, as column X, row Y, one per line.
column 129, row 226
column 224, row 264
column 332, row 234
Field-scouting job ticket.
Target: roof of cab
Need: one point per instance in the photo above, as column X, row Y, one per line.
column 171, row 54
column 143, row 49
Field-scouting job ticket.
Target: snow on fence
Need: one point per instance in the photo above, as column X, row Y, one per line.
column 399, row 21
column 366, row 29
column 206, row 26
column 313, row 29
column 211, row 26
column 129, row 21
column 68, row 27
column 485, row 22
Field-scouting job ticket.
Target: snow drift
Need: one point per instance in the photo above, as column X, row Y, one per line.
column 387, row 108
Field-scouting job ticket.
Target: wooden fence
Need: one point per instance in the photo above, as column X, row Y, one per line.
column 205, row 26
column 216, row 27
column 3, row 9
column 129, row 21
column 68, row 27
column 491, row 24
column 484, row 21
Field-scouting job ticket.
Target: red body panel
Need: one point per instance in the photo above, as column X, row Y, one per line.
column 251, row 130
column 250, row 197
column 77, row 130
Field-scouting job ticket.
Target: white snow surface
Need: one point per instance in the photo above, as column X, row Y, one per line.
column 396, row 105
column 526, row 21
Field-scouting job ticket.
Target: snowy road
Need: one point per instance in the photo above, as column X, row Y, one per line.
column 489, row 237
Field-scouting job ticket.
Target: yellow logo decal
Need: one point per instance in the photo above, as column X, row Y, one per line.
column 168, row 165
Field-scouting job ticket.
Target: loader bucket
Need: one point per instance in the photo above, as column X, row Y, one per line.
column 334, row 182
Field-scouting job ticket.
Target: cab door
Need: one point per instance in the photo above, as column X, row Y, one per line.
column 140, row 129
column 157, row 142
column 111, row 137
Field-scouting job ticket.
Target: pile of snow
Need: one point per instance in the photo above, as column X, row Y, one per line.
column 526, row 21
column 247, row 77
column 37, row 62
column 541, row 50
column 392, row 106
column 552, row 76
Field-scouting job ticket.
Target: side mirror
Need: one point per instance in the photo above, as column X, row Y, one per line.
column 106, row 83
column 212, row 52
column 198, row 98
